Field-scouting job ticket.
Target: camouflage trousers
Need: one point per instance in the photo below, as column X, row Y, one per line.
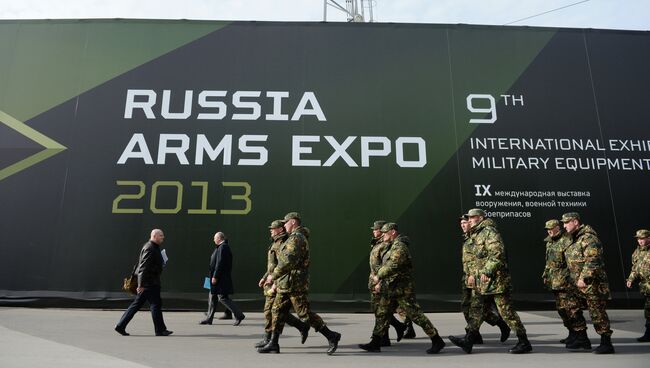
column 569, row 306
column 282, row 305
column 646, row 310
column 407, row 302
column 504, row 306
column 597, row 305
column 268, row 315
column 490, row 314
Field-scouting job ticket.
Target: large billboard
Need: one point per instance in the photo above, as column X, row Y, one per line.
column 110, row 128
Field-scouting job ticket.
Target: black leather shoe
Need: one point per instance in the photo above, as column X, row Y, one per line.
column 333, row 343
column 238, row 320
column 121, row 331
column 205, row 322
column 164, row 333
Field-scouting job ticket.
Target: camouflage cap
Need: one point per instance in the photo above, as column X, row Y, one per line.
column 570, row 216
column 475, row 212
column 276, row 224
column 292, row 215
column 388, row 227
column 377, row 225
column 551, row 224
column 643, row 233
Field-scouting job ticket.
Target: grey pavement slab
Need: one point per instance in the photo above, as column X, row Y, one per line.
column 85, row 338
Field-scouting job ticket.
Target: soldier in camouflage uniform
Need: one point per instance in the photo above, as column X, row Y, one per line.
column 278, row 236
column 469, row 262
column 377, row 246
column 491, row 281
column 291, row 279
column 641, row 273
column 586, row 265
column 394, row 282
column 556, row 279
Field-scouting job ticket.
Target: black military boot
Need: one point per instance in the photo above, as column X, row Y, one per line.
column 581, row 341
column 505, row 330
column 374, row 346
column 272, row 346
column 436, row 345
column 478, row 339
column 264, row 341
column 410, row 332
column 646, row 336
column 605, row 346
column 332, row 338
column 522, row 346
column 569, row 339
column 466, row 343
column 385, row 340
column 399, row 327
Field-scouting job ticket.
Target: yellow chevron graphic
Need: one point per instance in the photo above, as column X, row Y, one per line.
column 51, row 147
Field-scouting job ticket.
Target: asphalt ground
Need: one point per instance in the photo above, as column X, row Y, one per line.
column 85, row 338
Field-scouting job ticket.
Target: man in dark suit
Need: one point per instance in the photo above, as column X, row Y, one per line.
column 221, row 281
column 150, row 266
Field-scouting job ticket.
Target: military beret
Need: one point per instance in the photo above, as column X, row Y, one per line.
column 551, row 224
column 463, row 218
column 276, row 224
column 388, row 227
column 377, row 225
column 475, row 212
column 570, row 216
column 292, row 215
column 643, row 233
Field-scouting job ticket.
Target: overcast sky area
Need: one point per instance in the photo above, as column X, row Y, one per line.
column 608, row 14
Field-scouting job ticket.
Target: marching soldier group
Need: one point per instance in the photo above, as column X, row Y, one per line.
column 574, row 272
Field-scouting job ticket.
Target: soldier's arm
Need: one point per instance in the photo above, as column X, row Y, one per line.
column 466, row 258
column 635, row 258
column 288, row 256
column 593, row 255
column 495, row 256
column 396, row 260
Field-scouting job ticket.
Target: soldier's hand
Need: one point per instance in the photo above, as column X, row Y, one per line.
column 581, row 284
column 628, row 284
column 274, row 288
column 470, row 281
column 269, row 280
column 484, row 278
column 261, row 283
column 214, row 281
column 375, row 279
column 376, row 289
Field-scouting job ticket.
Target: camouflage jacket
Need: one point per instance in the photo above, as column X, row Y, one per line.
column 585, row 261
column 396, row 267
column 556, row 273
column 490, row 259
column 291, row 274
column 468, row 259
column 376, row 248
column 641, row 269
column 272, row 258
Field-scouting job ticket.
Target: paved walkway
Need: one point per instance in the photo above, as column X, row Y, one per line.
column 85, row 338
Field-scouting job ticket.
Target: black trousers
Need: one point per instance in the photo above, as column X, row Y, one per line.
column 152, row 295
column 226, row 301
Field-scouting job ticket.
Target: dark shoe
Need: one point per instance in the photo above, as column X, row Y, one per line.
column 238, row 320
column 385, row 340
column 374, row 346
column 522, row 346
column 478, row 339
column 605, row 345
column 580, row 342
column 505, row 330
column 410, row 332
column 399, row 328
column 569, row 339
column 646, row 336
column 121, row 331
column 304, row 331
column 164, row 333
column 264, row 341
column 206, row 322
column 272, row 346
column 466, row 343
column 436, row 345
column 226, row 316
column 333, row 343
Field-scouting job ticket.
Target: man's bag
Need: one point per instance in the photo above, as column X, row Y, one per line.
column 130, row 284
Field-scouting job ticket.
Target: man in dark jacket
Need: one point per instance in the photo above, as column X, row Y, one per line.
column 150, row 266
column 221, row 281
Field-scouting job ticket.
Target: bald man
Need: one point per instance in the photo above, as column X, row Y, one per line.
column 150, row 266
